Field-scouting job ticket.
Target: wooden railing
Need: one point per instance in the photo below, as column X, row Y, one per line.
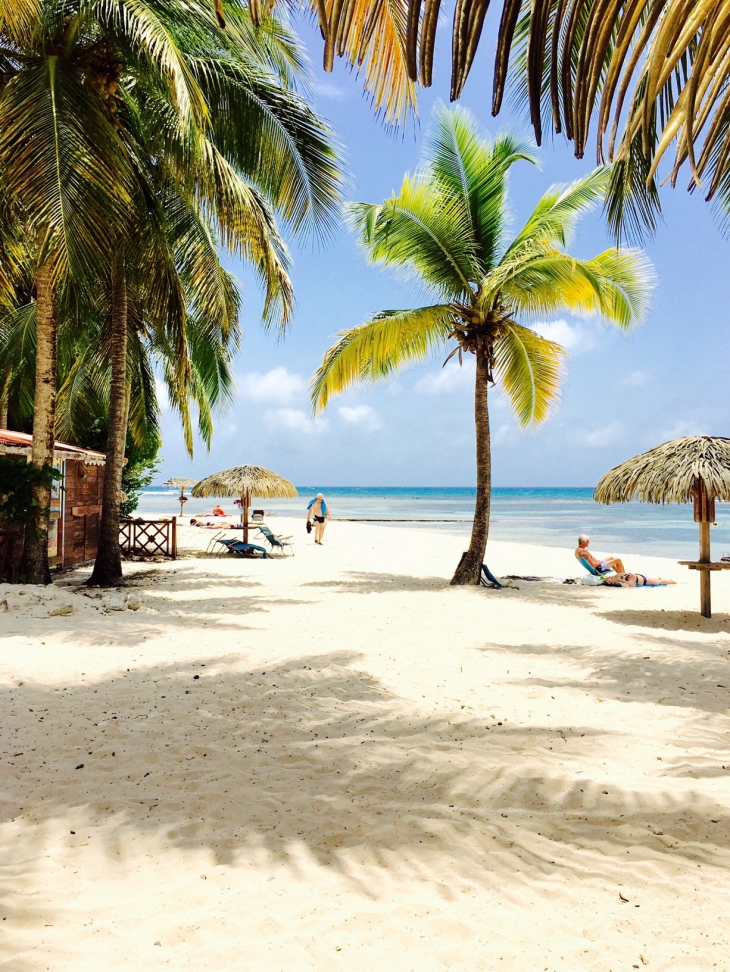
column 148, row 538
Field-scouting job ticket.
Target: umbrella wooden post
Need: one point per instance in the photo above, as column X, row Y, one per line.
column 705, row 597
column 245, row 503
column 704, row 514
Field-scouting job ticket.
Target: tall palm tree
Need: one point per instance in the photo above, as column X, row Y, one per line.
column 63, row 168
column 75, row 77
column 447, row 229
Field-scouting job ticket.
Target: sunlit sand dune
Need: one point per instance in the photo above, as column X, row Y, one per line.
column 337, row 761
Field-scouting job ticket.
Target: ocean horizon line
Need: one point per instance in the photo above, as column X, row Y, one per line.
column 320, row 488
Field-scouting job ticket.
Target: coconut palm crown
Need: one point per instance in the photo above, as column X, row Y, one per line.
column 446, row 229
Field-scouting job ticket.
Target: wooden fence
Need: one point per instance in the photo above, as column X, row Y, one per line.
column 148, row 538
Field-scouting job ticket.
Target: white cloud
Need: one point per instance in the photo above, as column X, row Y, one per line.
column 325, row 90
column 294, row 418
column 502, row 433
column 452, row 378
column 163, row 399
column 606, row 436
column 573, row 337
column 680, row 429
column 637, row 378
column 360, row 415
column 275, row 387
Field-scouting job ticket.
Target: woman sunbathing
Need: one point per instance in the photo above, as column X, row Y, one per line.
column 634, row 580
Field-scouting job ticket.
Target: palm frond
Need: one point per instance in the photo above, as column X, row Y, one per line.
column 616, row 285
column 424, row 234
column 530, row 369
column 556, row 214
column 379, row 349
column 474, row 170
column 371, row 35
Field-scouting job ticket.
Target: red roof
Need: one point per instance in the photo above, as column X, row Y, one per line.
column 19, row 444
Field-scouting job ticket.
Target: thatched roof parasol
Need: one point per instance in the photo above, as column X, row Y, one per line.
column 694, row 469
column 670, row 472
column 245, row 481
column 182, row 485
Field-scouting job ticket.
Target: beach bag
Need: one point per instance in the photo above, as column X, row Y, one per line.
column 590, row 580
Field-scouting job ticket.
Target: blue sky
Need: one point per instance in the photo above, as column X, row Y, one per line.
column 621, row 395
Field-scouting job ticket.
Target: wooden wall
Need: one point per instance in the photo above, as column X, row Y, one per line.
column 82, row 511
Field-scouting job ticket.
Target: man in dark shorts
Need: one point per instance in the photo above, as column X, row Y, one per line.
column 318, row 514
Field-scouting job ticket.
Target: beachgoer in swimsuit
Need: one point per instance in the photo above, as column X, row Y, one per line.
column 217, row 511
column 634, row 580
column 602, row 566
column 318, row 513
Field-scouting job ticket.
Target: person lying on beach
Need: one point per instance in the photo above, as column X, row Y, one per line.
column 634, row 580
column 602, row 566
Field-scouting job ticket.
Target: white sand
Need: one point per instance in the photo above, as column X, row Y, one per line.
column 374, row 771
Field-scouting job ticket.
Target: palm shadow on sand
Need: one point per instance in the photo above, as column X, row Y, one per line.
column 670, row 620
column 319, row 757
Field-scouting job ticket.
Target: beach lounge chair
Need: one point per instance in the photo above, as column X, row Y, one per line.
column 487, row 578
column 241, row 549
column 213, row 540
column 593, row 570
column 277, row 543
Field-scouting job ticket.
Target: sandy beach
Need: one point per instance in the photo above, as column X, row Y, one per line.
column 336, row 761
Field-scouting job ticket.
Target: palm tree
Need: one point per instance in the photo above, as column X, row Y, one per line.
column 62, row 168
column 446, row 229
column 77, row 80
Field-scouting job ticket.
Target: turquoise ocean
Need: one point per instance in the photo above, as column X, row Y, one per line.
column 552, row 517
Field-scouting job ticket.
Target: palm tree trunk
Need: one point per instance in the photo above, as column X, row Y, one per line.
column 108, row 564
column 4, row 408
column 471, row 561
column 34, row 567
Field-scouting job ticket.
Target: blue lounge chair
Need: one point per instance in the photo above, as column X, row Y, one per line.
column 241, row 549
column 277, row 543
column 593, row 570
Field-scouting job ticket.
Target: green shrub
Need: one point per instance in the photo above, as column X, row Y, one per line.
column 17, row 479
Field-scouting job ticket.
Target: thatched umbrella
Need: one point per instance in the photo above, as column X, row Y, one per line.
column 693, row 469
column 182, row 485
column 245, row 481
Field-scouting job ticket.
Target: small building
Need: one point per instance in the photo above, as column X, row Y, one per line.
column 73, row 534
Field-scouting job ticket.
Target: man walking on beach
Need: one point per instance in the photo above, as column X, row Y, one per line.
column 317, row 513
